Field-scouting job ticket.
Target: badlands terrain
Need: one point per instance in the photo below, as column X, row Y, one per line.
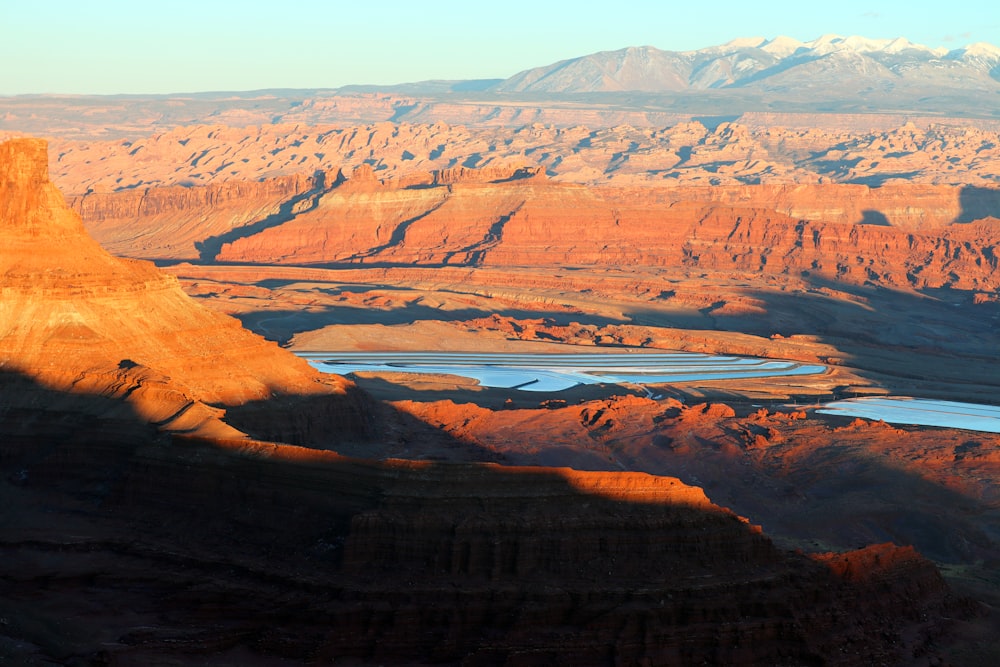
column 183, row 487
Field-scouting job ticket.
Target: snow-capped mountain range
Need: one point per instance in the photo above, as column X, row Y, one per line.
column 849, row 64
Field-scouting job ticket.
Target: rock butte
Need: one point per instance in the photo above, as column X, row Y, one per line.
column 230, row 548
column 74, row 318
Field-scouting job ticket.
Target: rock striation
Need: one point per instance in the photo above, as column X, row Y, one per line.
column 920, row 237
column 185, row 222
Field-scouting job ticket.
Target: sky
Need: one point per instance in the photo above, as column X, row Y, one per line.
column 178, row 46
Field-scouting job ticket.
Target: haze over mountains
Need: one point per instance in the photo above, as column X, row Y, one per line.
column 639, row 86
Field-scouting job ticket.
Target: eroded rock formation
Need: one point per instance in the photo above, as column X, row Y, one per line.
column 916, row 236
column 74, row 318
column 755, row 148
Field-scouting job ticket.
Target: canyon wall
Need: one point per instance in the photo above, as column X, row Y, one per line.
column 896, row 235
column 928, row 242
column 176, row 221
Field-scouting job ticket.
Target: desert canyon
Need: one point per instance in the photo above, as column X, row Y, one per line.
column 182, row 487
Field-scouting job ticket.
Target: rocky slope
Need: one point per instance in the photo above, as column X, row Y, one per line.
column 75, row 318
column 178, row 219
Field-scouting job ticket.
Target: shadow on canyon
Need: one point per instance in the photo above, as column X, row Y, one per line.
column 460, row 391
column 209, row 248
column 935, row 343
column 120, row 543
column 978, row 203
column 282, row 325
column 873, row 217
column 975, row 202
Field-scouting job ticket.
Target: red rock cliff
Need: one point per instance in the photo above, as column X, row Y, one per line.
column 537, row 223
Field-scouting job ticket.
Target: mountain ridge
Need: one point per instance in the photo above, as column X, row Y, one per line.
column 744, row 62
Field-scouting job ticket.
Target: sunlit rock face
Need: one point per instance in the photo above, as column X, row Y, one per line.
column 538, row 223
column 73, row 317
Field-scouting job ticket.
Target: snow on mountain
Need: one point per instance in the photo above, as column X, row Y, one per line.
column 851, row 63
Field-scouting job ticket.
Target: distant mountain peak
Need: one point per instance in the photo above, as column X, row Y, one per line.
column 782, row 46
column 842, row 67
column 981, row 49
column 741, row 42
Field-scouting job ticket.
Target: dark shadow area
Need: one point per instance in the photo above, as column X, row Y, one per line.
column 845, row 472
column 877, row 180
column 321, row 420
column 840, row 167
column 276, row 283
column 211, row 246
column 684, row 153
column 473, row 255
column 400, row 111
column 873, row 217
column 493, row 398
column 119, row 544
column 978, row 203
column 519, row 174
column 712, row 123
column 280, row 326
column 933, row 343
column 436, row 152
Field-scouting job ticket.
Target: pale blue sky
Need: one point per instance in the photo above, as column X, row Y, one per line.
column 135, row 46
